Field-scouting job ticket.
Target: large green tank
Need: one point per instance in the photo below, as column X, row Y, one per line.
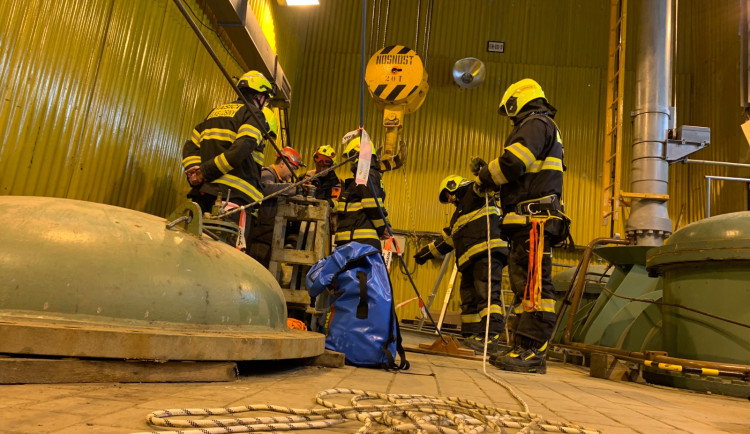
column 85, row 279
column 706, row 266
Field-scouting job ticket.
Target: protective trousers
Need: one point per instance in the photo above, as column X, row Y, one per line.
column 533, row 324
column 473, row 289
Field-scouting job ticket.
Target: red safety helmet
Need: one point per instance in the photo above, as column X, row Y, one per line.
column 292, row 156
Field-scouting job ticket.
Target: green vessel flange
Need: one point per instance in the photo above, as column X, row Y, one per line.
column 85, row 279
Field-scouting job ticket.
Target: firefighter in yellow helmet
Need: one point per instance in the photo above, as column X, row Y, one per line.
column 327, row 187
column 529, row 175
column 217, row 157
column 357, row 214
column 467, row 235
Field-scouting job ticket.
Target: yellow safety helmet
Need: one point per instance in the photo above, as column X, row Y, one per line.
column 518, row 95
column 272, row 121
column 256, row 82
column 352, row 148
column 450, row 184
column 325, row 155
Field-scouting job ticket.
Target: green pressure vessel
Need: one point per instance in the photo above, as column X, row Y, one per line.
column 706, row 267
column 85, row 279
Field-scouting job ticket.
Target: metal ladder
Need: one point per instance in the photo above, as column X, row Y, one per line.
column 611, row 190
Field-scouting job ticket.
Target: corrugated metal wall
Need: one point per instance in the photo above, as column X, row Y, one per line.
column 554, row 42
column 100, row 95
column 563, row 45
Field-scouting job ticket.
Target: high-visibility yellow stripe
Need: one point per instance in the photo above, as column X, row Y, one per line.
column 522, row 153
column 547, row 305
column 195, row 138
column 218, row 134
column 447, row 238
column 481, row 247
column 552, row 163
column 189, row 161
column 353, row 206
column 222, row 163
column 241, row 185
column 470, row 318
column 512, row 218
column 497, row 174
column 378, row 223
column 494, row 309
column 480, row 213
column 434, row 250
column 369, row 202
column 358, row 234
column 549, row 163
column 258, row 157
column 247, row 130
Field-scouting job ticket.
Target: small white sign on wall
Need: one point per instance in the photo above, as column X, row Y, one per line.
column 496, row 46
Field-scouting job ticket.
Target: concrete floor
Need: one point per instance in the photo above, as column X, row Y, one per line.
column 565, row 393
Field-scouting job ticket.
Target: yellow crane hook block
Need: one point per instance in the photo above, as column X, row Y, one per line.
column 397, row 82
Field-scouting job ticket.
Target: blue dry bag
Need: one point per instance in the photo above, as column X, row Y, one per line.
column 361, row 320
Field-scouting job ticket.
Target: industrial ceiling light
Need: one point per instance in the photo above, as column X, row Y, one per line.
column 298, row 2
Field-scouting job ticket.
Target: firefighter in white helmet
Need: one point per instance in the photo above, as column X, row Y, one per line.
column 357, row 215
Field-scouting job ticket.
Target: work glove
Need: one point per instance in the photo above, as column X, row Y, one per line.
column 423, row 255
column 476, row 165
column 194, row 176
column 482, row 190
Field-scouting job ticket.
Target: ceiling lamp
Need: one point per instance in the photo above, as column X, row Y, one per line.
column 298, row 2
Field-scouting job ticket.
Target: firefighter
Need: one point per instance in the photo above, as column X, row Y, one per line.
column 357, row 215
column 327, row 187
column 529, row 175
column 224, row 154
column 274, row 178
column 467, row 234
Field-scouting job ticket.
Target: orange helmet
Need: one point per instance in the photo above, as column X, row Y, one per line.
column 292, row 156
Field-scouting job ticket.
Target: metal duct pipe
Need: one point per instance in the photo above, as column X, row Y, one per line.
column 649, row 222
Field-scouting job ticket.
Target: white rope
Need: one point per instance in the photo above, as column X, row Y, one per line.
column 400, row 413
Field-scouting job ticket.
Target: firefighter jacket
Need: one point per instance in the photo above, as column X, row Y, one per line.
column 467, row 233
column 229, row 149
column 358, row 216
column 531, row 166
column 327, row 187
column 271, row 181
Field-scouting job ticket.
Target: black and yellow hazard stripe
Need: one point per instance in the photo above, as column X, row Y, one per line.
column 395, row 54
column 691, row 370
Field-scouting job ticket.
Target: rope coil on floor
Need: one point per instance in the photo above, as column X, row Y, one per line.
column 402, row 413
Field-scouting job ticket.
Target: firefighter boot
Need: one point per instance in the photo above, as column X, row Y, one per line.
column 532, row 359
column 476, row 343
